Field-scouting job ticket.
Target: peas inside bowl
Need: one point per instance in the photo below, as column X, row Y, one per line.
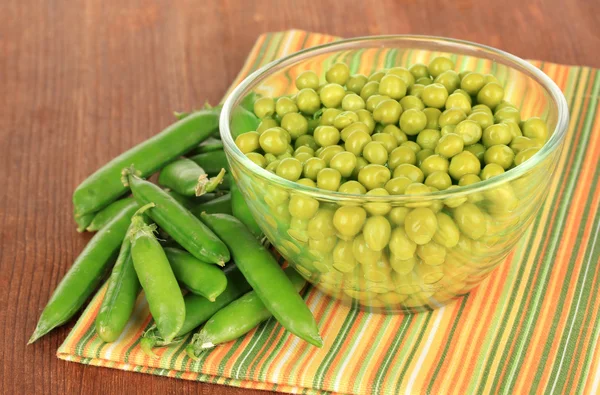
column 395, row 172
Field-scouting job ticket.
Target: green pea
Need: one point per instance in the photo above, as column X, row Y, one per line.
column 374, row 152
column 469, row 179
column 343, row 257
column 507, row 114
column 449, row 145
column 387, row 112
column 412, row 102
column 420, row 225
column 470, row 220
column 482, row 108
column 321, row 225
column 356, row 142
column 324, row 245
column 265, row 124
column 438, row 65
column 469, row 131
column 412, row 145
column 535, row 128
column 434, row 95
column 374, row 176
column 419, row 70
column 366, row 117
column 499, row 154
column 289, row 168
column 356, row 82
column 433, row 115
column 264, row 107
column 464, row 163
column 338, row 74
column 398, row 185
column 362, row 253
column 476, row 149
column 326, row 136
column 380, row 208
column 344, row 119
column 397, row 215
column 257, row 158
column 306, row 140
column 248, row 142
column 483, row 119
column 270, row 158
column 496, row 134
column 449, row 79
column 371, row 88
column 392, row 86
column 432, row 253
column 308, row 101
column 491, row 94
column 428, row 138
column 360, row 163
column 344, row 162
column 329, row 152
column 396, row 132
column 285, row 105
column 353, row 102
column 352, row 187
column 348, row 130
column 452, row 116
column 424, row 81
column 491, row 78
column 331, row 95
column 312, row 167
column 513, row 127
column 416, row 90
column 295, row 124
column 328, row 116
column 447, row 233
column 377, row 231
column 401, row 245
column 458, row 100
column 304, row 149
column 472, row 83
column 423, row 154
column 491, row 170
column 403, row 73
column 307, row 80
column 303, row 207
column 438, row 179
column 416, row 188
column 377, row 75
column 409, row 171
column 412, row 122
column 522, row 143
column 307, row 182
column 273, row 141
column 525, row 155
column 434, row 163
column 387, row 140
column 401, row 155
column 329, row 179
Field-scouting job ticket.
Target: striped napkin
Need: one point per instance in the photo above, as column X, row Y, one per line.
column 531, row 327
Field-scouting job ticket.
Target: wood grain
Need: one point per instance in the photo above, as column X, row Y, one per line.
column 82, row 81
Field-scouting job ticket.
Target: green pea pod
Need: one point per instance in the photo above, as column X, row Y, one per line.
column 119, row 299
column 198, row 309
column 243, row 121
column 236, row 319
column 185, row 177
column 241, row 211
column 84, row 276
column 103, row 187
column 222, row 205
column 212, row 162
column 266, row 277
column 225, row 185
column 109, row 212
column 248, row 101
column 178, row 222
column 83, row 221
column 209, row 145
column 198, row 276
column 156, row 276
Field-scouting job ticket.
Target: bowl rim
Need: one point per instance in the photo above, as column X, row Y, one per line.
column 541, row 78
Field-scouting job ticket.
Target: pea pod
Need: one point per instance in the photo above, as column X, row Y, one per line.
column 198, row 309
column 198, row 276
column 185, row 177
column 109, row 212
column 211, row 162
column 266, row 277
column 83, row 221
column 222, row 204
column 241, row 211
column 178, row 222
column 243, row 121
column 119, row 299
column 103, row 187
column 236, row 319
column 209, row 145
column 248, row 101
column 156, row 276
column 84, row 276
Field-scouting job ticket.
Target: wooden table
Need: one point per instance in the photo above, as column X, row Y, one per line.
column 82, row 81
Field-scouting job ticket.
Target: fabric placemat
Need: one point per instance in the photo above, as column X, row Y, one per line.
column 533, row 326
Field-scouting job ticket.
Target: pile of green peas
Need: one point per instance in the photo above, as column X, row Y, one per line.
column 400, row 131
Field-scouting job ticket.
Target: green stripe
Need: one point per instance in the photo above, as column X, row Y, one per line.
column 415, row 346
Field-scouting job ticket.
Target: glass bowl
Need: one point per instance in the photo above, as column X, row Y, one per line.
column 491, row 216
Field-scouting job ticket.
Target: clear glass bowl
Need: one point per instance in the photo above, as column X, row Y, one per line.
column 503, row 206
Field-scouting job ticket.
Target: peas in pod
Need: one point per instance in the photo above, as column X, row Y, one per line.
column 404, row 132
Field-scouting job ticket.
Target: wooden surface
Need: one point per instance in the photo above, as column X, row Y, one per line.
column 82, row 81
